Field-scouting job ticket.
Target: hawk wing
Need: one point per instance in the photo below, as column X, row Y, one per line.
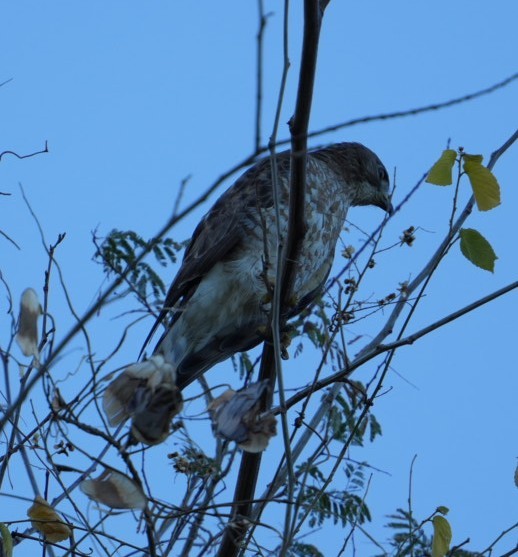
column 220, row 232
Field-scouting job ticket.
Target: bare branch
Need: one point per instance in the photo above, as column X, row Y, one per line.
column 382, row 348
column 263, row 18
column 14, row 154
column 432, row 264
column 418, row 110
column 286, row 267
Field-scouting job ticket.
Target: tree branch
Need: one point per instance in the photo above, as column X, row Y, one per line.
column 41, row 152
column 382, row 348
column 416, row 111
column 434, row 260
column 286, row 269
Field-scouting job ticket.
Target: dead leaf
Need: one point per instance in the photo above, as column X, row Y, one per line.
column 115, row 490
column 27, row 335
column 47, row 521
column 236, row 416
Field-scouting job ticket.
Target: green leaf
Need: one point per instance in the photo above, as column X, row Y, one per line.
column 477, row 249
column 443, row 510
column 440, row 174
column 375, row 427
column 485, row 186
column 441, row 536
column 299, row 549
column 7, row 540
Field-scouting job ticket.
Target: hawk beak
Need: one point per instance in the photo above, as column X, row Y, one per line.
column 386, row 205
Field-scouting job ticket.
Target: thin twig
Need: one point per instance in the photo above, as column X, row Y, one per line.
column 313, row 13
column 263, row 18
column 286, row 263
column 410, row 513
column 416, row 111
column 250, row 463
column 9, row 239
column 14, row 154
column 499, row 537
column 434, row 260
column 355, row 523
column 382, row 348
column 104, row 296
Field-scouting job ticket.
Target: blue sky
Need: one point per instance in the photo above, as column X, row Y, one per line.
column 134, row 97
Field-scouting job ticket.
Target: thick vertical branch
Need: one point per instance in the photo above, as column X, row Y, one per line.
column 299, row 129
column 250, row 463
column 259, row 78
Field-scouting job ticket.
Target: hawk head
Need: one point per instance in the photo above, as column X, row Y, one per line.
column 365, row 175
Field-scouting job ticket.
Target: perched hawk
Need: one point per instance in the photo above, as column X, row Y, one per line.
column 218, row 302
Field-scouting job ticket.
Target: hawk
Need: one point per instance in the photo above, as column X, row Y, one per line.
column 218, row 303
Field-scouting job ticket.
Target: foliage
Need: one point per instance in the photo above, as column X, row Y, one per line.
column 441, row 172
column 299, row 549
column 342, row 419
column 118, row 254
column 344, row 507
column 61, row 440
column 484, row 184
column 486, row 192
column 329, row 489
column 6, row 541
column 441, row 536
column 477, row 249
column 409, row 537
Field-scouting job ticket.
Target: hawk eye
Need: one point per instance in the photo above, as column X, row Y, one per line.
column 382, row 173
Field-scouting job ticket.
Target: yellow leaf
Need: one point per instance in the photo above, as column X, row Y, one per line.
column 473, row 158
column 485, row 186
column 440, row 174
column 6, row 545
column 443, row 510
column 47, row 521
column 441, row 536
